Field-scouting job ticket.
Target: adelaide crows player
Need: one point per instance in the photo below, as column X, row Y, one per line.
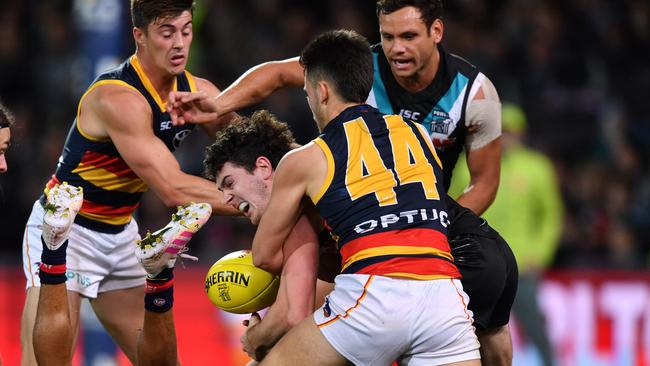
column 118, row 147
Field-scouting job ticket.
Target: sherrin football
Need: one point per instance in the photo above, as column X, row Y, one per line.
column 235, row 285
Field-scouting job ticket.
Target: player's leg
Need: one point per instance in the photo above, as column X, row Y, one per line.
column 304, row 345
column 56, row 325
column 122, row 315
column 56, row 318
column 28, row 320
column 157, row 342
column 496, row 342
column 496, row 346
column 489, row 272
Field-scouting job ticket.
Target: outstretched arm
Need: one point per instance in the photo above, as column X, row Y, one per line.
column 252, row 87
column 144, row 153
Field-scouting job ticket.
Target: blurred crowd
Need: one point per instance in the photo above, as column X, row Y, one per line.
column 576, row 67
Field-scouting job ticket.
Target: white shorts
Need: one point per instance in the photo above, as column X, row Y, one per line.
column 96, row 262
column 375, row 320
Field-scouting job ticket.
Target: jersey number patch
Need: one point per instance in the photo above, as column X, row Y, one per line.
column 366, row 172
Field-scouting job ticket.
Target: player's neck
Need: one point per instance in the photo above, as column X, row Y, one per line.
column 422, row 77
column 161, row 80
column 332, row 112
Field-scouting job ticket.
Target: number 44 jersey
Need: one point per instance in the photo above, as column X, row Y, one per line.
column 382, row 196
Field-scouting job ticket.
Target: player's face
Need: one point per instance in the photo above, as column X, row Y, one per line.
column 5, row 139
column 408, row 47
column 249, row 192
column 167, row 42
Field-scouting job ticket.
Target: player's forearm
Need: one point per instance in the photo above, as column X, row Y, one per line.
column 258, row 83
column 188, row 188
column 479, row 196
column 268, row 332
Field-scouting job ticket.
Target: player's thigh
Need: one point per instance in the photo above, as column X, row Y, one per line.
column 121, row 312
column 484, row 280
column 29, row 318
column 304, row 345
column 496, row 346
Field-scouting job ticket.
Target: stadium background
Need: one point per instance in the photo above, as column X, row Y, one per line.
column 579, row 68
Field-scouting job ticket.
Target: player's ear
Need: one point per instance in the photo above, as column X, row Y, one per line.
column 436, row 30
column 138, row 36
column 263, row 167
column 323, row 90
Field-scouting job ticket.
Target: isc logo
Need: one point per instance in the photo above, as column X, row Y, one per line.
column 165, row 125
column 412, row 115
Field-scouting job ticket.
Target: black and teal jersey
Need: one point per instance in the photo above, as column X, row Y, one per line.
column 382, row 196
column 440, row 107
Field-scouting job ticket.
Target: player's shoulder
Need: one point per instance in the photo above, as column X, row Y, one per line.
column 376, row 48
column 114, row 95
column 203, row 84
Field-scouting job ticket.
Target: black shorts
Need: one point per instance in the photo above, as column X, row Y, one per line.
column 490, row 275
column 486, row 262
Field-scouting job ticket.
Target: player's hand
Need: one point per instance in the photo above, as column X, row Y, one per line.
column 191, row 107
column 253, row 352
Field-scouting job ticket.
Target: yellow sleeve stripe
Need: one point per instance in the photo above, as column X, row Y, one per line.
column 394, row 250
column 330, row 169
column 92, row 87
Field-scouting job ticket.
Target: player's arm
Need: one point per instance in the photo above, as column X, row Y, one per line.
column 293, row 179
column 211, row 127
column 483, row 146
column 145, row 153
column 252, row 87
column 295, row 299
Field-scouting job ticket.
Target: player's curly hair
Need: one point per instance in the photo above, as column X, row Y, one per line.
column 144, row 12
column 6, row 117
column 430, row 10
column 245, row 139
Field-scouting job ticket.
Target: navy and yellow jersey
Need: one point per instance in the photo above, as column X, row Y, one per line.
column 112, row 191
column 381, row 199
column 440, row 107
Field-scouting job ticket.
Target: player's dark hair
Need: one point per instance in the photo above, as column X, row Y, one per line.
column 6, row 117
column 145, row 12
column 430, row 10
column 245, row 139
column 343, row 58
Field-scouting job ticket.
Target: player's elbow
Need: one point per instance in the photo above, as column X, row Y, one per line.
column 269, row 263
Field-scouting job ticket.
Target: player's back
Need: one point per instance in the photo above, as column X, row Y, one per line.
column 381, row 198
